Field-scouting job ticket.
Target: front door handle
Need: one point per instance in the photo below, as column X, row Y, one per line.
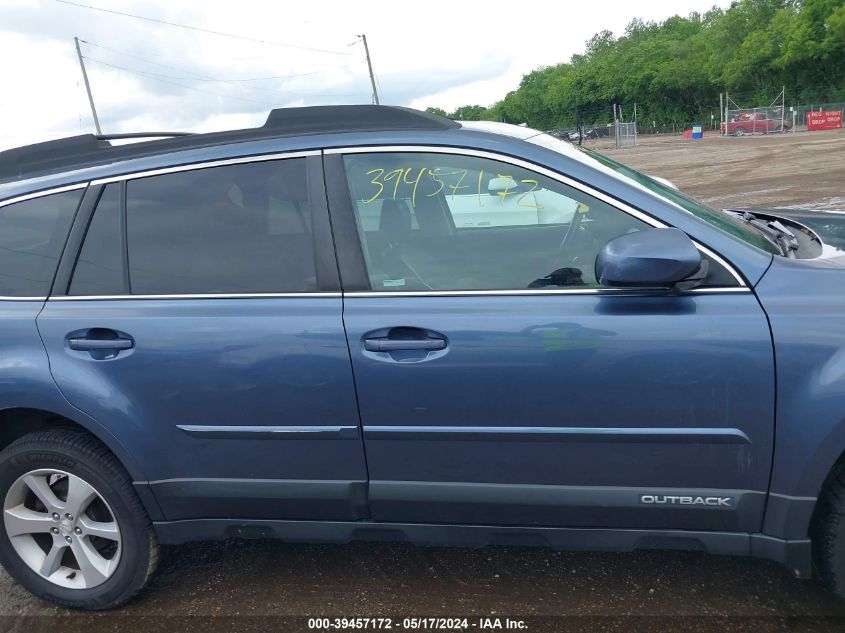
column 397, row 345
column 97, row 344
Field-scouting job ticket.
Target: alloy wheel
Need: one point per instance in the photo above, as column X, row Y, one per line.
column 62, row 528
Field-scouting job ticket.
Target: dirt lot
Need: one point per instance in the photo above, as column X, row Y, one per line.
column 266, row 580
column 805, row 170
column 643, row 591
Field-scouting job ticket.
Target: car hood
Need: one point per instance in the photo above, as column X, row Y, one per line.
column 828, row 226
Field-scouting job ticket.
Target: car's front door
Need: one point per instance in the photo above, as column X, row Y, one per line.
column 201, row 325
column 499, row 383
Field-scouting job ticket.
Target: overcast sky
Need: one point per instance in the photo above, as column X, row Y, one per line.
column 148, row 76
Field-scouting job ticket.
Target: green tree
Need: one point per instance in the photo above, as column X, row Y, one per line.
column 468, row 113
column 674, row 70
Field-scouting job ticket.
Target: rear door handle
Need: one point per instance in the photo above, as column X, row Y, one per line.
column 99, row 341
column 396, row 345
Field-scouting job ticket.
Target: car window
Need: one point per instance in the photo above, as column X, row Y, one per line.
column 99, row 267
column 450, row 222
column 720, row 219
column 231, row 229
column 32, row 235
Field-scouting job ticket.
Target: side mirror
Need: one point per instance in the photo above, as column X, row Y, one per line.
column 651, row 258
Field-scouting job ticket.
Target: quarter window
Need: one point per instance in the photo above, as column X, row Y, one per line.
column 230, row 229
column 32, row 235
column 99, row 268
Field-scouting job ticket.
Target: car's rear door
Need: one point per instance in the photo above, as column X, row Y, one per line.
column 499, row 383
column 201, row 324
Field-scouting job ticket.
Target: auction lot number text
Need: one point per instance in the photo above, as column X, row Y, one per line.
column 417, row 624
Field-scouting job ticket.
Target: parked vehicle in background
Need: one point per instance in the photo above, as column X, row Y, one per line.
column 366, row 322
column 753, row 123
column 574, row 135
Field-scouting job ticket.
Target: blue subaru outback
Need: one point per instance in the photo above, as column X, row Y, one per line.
column 366, row 322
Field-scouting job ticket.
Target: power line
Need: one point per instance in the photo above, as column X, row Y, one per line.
column 153, row 75
column 167, row 79
column 202, row 30
column 200, row 77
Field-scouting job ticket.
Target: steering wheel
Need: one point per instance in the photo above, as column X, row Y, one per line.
column 574, row 233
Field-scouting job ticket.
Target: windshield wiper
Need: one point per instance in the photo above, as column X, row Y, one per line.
column 774, row 231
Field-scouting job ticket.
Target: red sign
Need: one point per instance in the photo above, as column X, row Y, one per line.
column 824, row 120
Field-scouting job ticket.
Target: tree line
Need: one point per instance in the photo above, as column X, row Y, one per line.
column 675, row 70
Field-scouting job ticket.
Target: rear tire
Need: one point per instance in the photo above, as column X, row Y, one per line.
column 44, row 552
column 828, row 534
column 740, row 131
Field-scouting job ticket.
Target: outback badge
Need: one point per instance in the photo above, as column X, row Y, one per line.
column 690, row 500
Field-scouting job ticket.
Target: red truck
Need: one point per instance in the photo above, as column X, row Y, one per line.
column 759, row 123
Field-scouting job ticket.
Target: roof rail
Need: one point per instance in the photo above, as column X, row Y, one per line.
column 89, row 149
column 353, row 118
column 117, row 137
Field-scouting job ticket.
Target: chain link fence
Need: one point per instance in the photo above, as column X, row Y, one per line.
column 626, row 134
column 802, row 115
column 778, row 117
column 767, row 120
column 614, row 125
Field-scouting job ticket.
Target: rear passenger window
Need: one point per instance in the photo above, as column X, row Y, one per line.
column 32, row 235
column 232, row 229
column 99, row 269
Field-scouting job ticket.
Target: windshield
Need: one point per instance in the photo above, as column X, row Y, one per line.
column 725, row 221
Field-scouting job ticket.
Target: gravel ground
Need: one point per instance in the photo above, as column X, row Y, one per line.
column 266, row 585
column 803, row 170
column 268, row 580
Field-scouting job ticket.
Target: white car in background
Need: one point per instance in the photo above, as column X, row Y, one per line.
column 509, row 203
column 505, row 203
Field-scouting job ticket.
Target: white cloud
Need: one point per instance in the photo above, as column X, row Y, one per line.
column 424, row 54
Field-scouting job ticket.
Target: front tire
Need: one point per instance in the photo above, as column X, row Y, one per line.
column 740, row 131
column 828, row 534
column 74, row 531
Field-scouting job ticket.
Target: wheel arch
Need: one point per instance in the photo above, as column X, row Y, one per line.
column 17, row 421
column 791, row 514
column 831, row 474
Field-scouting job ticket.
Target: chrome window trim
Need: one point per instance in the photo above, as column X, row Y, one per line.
column 575, row 184
column 243, row 295
column 9, row 298
column 367, row 294
column 533, row 293
column 42, row 193
column 222, row 162
column 191, row 167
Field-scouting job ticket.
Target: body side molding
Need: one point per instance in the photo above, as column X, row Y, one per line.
column 560, row 434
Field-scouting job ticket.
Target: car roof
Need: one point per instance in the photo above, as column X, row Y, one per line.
column 501, row 139
column 89, row 149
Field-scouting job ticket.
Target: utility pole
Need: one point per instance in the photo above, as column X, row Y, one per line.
column 370, row 66
column 88, row 86
column 782, row 108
